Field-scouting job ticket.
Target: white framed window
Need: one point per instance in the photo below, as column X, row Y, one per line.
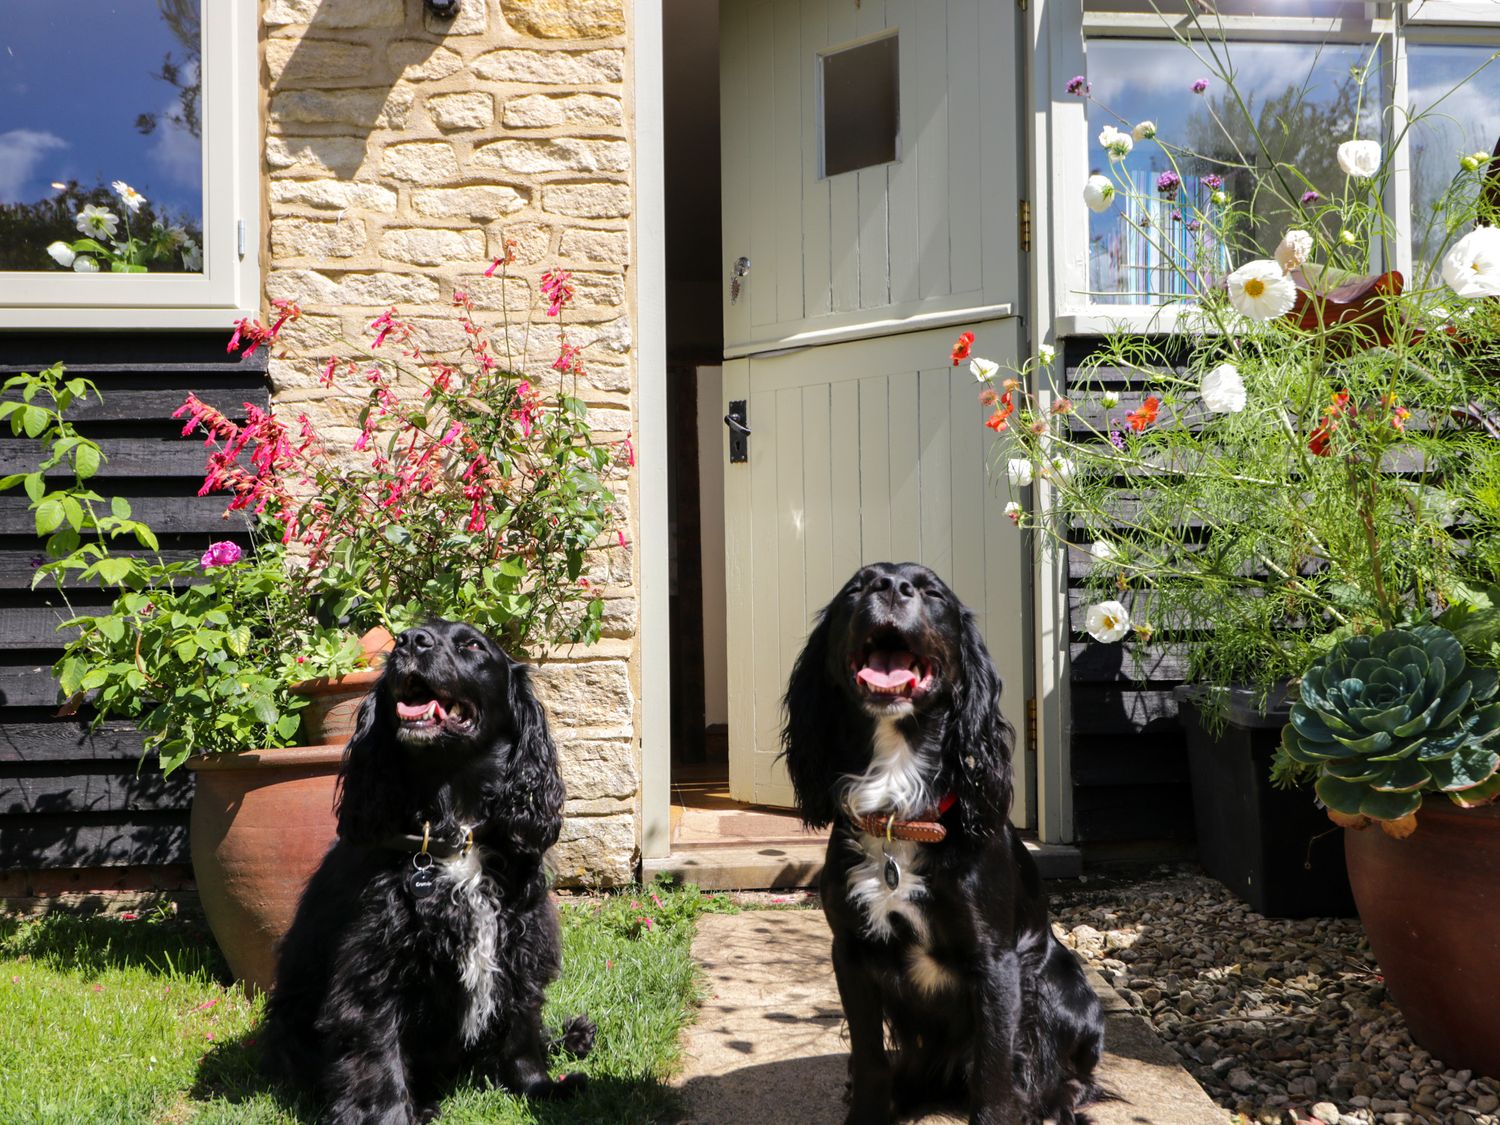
column 159, row 95
column 1299, row 67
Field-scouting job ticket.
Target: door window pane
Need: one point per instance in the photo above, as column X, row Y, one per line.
column 1453, row 115
column 861, row 106
column 1302, row 100
column 95, row 93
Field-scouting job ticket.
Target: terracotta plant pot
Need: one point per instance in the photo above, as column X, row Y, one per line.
column 333, row 706
column 261, row 822
column 1431, row 907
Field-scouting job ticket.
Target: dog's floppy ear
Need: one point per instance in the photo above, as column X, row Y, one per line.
column 370, row 788
column 813, row 738
column 978, row 742
column 528, row 805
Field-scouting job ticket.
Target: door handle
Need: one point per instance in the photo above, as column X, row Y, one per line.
column 737, row 275
column 739, row 433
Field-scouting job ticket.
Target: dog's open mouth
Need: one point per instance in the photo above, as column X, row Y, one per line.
column 887, row 670
column 423, row 712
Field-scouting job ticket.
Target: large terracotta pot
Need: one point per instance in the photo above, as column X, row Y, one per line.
column 261, row 822
column 1431, row 907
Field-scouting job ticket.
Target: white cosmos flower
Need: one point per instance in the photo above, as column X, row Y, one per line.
column 1107, row 621
column 1144, row 131
column 1472, row 267
column 97, row 220
column 62, row 254
column 1109, row 400
column 1260, row 290
column 1062, row 470
column 1104, row 552
column 1046, row 353
column 1360, row 159
column 1294, row 249
column 84, row 264
column 1116, row 143
column 1223, row 390
column 1018, row 472
column 128, row 195
column 1013, row 512
column 984, row 369
column 1098, row 192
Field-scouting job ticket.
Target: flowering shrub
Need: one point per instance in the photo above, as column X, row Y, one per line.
column 467, row 491
column 1311, row 454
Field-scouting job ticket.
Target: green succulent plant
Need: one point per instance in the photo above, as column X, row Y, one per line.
column 1384, row 719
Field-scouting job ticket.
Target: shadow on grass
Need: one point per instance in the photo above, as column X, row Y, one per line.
column 98, row 943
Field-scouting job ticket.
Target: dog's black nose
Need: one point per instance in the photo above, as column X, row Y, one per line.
column 417, row 638
column 893, row 584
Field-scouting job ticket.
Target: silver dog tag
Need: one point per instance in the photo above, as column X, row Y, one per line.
column 423, row 879
column 892, row 872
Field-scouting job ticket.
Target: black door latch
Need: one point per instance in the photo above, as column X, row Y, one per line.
column 739, row 433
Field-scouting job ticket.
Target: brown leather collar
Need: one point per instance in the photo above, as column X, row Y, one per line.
column 926, row 829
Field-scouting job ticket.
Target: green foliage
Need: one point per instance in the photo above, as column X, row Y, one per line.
column 1384, row 719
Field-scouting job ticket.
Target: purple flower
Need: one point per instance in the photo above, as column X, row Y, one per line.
column 1176, row 215
column 1310, row 197
column 1167, row 182
column 1079, row 86
column 1117, row 440
column 1194, row 224
column 1213, row 181
column 1200, row 85
column 222, row 553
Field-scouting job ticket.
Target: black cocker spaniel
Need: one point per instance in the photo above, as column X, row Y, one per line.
column 940, row 933
column 423, row 944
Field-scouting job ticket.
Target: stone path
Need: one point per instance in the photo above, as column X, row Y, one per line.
column 768, row 1044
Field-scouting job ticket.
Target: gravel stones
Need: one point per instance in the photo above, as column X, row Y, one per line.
column 1283, row 1022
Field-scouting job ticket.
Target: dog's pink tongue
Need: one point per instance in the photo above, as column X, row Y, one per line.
column 432, row 708
column 888, row 670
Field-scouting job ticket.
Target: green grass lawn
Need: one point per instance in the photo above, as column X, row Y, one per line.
column 113, row 1019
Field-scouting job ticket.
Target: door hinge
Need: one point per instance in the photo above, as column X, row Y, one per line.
column 1032, row 740
column 1021, row 4
column 1025, row 224
column 242, row 235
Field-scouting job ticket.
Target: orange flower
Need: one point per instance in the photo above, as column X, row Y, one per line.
column 961, row 348
column 1318, row 440
column 1140, row 419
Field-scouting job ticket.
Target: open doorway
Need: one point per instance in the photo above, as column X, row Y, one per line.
column 704, row 815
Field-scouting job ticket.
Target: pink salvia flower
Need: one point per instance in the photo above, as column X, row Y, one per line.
column 452, row 434
column 493, row 267
column 556, row 289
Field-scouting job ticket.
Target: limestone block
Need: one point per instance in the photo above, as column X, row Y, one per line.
column 492, row 294
column 316, row 61
column 620, row 616
column 554, row 154
column 433, row 247
column 598, row 767
column 332, row 195
column 418, row 61
column 338, row 156
column 472, row 19
column 462, row 111
column 480, row 202
column 307, row 287
column 381, row 109
column 540, row 111
column 587, row 200
column 532, row 243
column 429, row 162
column 307, row 238
column 592, row 695
column 329, row 14
column 595, row 851
column 551, row 68
column 589, row 245
column 597, row 290
column 565, row 19
column 382, row 289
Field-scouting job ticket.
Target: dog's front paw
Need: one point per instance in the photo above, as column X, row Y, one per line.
column 577, row 1038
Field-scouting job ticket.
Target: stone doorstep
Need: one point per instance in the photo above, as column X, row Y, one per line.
column 763, row 866
column 769, row 1043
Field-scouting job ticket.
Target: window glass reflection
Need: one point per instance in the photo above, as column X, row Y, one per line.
column 1301, row 99
column 101, row 155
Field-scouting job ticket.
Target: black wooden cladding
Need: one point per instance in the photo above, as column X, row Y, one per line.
column 1130, row 780
column 71, row 796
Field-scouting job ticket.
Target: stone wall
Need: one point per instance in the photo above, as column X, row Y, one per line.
column 402, row 154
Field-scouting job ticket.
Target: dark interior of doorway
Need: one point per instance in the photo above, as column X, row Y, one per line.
column 702, row 810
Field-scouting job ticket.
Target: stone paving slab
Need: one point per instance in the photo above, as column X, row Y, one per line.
column 769, row 1044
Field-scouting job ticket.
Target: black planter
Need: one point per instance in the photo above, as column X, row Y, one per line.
column 1274, row 848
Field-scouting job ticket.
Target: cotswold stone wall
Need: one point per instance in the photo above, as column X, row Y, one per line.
column 401, row 154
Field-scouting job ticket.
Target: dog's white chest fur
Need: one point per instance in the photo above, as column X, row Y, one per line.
column 469, row 887
column 894, row 782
